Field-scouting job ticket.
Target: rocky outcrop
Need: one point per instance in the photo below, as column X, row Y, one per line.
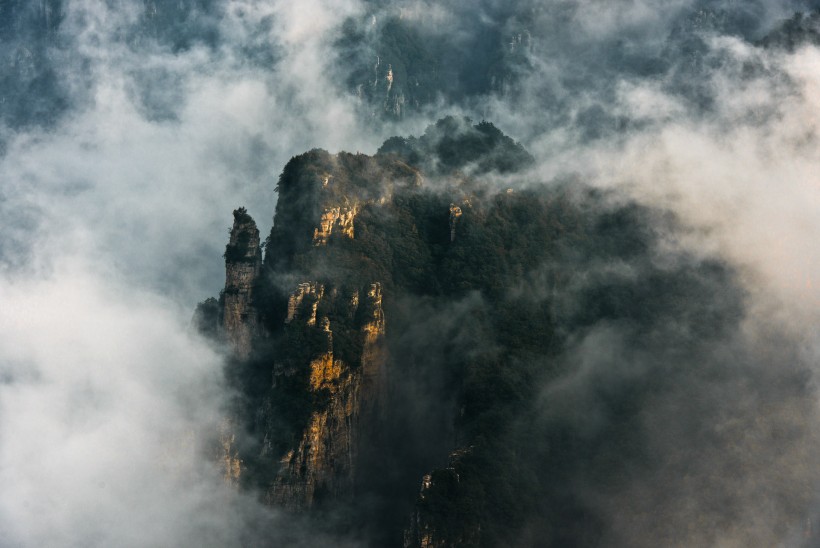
column 228, row 455
column 311, row 291
column 328, row 436
column 341, row 217
column 474, row 343
column 440, row 492
column 322, row 465
column 243, row 263
column 455, row 213
column 240, row 320
column 374, row 355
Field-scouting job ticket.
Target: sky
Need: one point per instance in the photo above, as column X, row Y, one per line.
column 129, row 131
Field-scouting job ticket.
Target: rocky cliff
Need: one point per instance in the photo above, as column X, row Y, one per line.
column 416, row 323
column 439, row 500
column 307, row 328
column 243, row 263
column 348, row 395
column 319, row 340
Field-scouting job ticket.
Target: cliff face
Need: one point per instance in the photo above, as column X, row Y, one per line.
column 405, row 67
column 328, row 336
column 339, row 217
column 323, row 462
column 228, row 455
column 408, row 320
column 439, row 520
column 308, row 328
column 320, row 342
column 243, row 263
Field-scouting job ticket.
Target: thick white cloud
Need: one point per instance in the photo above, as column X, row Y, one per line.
column 748, row 175
column 106, row 405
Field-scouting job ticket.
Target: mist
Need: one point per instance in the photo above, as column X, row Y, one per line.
column 130, row 130
column 119, row 170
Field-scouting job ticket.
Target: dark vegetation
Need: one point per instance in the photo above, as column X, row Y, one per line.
column 208, row 318
column 455, row 144
column 179, row 25
column 801, row 29
column 31, row 91
column 426, row 64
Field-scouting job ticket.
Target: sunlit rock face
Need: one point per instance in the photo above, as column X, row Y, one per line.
column 340, row 217
column 322, row 465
